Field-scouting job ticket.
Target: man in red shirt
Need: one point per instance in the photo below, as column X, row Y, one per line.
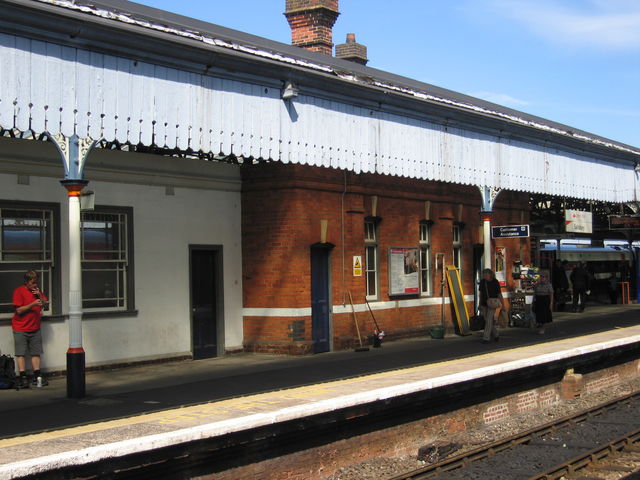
column 28, row 301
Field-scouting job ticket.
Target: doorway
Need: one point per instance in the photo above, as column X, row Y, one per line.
column 207, row 313
column 320, row 297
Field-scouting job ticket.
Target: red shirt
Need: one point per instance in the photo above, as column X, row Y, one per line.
column 30, row 320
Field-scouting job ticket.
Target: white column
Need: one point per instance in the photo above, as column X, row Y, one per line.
column 75, row 354
column 75, row 273
column 486, row 224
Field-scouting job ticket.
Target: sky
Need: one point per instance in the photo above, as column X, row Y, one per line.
column 575, row 62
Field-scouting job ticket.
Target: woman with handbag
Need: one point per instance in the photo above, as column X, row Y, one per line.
column 543, row 302
column 491, row 303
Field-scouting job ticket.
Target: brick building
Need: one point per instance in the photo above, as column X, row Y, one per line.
column 292, row 212
column 264, row 188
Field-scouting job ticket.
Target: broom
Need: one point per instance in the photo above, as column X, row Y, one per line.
column 361, row 348
column 377, row 337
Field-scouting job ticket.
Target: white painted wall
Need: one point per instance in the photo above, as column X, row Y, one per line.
column 164, row 227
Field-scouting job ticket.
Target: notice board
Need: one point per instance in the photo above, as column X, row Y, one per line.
column 404, row 271
column 457, row 298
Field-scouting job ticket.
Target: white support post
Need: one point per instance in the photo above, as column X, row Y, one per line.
column 75, row 354
column 73, row 153
column 486, row 225
column 75, row 274
column 489, row 195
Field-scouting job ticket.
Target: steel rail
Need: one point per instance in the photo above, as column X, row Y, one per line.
column 588, row 458
column 488, row 450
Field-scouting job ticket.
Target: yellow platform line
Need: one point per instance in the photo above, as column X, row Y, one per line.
column 245, row 403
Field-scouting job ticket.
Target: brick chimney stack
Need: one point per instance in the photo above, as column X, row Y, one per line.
column 352, row 50
column 311, row 23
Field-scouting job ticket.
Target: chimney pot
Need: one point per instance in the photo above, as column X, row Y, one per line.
column 352, row 50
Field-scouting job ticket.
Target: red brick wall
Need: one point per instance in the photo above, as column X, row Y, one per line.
column 282, row 206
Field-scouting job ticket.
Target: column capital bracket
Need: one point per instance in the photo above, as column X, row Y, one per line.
column 73, row 152
column 489, row 195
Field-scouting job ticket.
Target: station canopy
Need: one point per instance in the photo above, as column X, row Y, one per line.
column 188, row 86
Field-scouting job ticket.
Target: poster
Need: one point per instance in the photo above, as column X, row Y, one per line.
column 404, row 271
column 501, row 266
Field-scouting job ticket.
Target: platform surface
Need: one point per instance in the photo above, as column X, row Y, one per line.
column 127, row 393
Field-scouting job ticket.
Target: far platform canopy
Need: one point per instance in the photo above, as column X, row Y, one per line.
column 127, row 73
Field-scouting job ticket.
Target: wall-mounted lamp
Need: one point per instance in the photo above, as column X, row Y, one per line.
column 289, row 91
column 87, row 200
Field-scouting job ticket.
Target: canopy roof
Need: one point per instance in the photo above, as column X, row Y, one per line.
column 137, row 75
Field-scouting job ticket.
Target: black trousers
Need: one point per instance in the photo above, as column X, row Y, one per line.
column 579, row 298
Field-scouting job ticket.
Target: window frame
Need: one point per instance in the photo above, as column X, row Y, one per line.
column 54, row 293
column 425, row 250
column 371, row 243
column 129, row 304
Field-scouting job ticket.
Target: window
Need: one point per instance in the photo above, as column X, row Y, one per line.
column 371, row 259
column 425, row 259
column 457, row 248
column 107, row 274
column 26, row 243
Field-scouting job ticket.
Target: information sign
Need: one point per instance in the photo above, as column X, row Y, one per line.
column 624, row 222
column 404, row 271
column 577, row 221
column 510, row 231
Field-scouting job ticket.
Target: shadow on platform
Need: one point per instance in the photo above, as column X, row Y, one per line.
column 131, row 391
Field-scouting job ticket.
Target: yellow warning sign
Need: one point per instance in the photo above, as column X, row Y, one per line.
column 357, row 266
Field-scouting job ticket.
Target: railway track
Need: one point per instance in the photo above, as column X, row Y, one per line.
column 603, row 439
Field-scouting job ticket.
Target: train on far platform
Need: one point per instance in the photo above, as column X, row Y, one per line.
column 608, row 266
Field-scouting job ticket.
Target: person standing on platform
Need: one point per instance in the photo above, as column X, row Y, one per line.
column 491, row 303
column 613, row 288
column 580, row 280
column 543, row 302
column 560, row 285
column 28, row 301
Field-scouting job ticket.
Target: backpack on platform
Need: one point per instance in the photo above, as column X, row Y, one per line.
column 7, row 373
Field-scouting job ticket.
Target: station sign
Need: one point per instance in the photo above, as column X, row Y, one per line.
column 510, row 231
column 624, row 222
column 577, row 221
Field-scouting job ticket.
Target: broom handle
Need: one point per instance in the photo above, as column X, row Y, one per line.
column 355, row 319
column 372, row 315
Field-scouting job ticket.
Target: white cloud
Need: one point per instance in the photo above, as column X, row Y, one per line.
column 500, row 99
column 607, row 24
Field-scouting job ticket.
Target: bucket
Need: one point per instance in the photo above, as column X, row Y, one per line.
column 437, row 332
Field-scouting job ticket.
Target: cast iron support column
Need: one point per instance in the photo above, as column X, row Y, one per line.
column 75, row 353
column 73, row 152
column 489, row 195
column 486, row 230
